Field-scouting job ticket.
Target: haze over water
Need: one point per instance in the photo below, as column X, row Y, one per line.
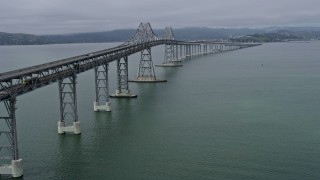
column 246, row 114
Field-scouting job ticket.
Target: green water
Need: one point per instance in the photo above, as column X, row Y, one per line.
column 246, row 114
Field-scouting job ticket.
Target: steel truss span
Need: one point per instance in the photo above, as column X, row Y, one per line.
column 64, row 71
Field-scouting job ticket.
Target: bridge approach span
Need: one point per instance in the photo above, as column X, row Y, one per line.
column 21, row 81
column 64, row 71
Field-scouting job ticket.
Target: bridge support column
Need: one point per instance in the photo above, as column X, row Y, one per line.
column 196, row 48
column 122, row 90
column 191, row 50
column 9, row 148
column 102, row 88
column 176, row 54
column 222, row 48
column 146, row 70
column 68, row 106
column 203, row 52
column 170, row 56
column 188, row 51
column 205, row 49
column 180, row 56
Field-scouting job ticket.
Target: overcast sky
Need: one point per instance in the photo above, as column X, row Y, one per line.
column 68, row 16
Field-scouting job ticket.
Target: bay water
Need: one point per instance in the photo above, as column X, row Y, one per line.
column 252, row 113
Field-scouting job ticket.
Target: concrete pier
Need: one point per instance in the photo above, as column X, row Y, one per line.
column 97, row 107
column 69, row 129
column 15, row 168
column 147, row 79
column 123, row 94
column 169, row 64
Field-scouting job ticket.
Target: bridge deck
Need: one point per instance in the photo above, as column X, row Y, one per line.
column 30, row 78
column 43, row 67
column 63, row 62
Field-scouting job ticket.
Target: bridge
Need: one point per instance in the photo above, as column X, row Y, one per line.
column 64, row 71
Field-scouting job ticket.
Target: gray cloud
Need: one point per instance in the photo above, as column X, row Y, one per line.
column 68, row 16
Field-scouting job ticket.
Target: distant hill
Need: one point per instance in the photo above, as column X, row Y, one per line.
column 96, row 37
column 280, row 36
column 21, row 39
column 196, row 33
column 269, row 34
